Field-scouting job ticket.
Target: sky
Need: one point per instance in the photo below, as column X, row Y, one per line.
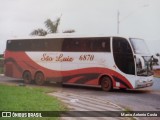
column 138, row 18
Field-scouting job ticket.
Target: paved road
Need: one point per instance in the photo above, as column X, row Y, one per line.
column 89, row 105
column 147, row 99
column 141, row 99
column 86, row 106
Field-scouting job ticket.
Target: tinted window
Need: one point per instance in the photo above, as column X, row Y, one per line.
column 87, row 44
column 123, row 55
column 59, row 44
column 35, row 45
column 17, row 45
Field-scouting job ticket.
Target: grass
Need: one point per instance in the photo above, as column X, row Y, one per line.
column 1, row 65
column 1, row 70
column 128, row 110
column 18, row 98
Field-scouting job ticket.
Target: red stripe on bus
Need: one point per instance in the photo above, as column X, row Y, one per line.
column 21, row 58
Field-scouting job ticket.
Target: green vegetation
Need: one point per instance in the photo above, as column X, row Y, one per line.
column 1, row 64
column 20, row 98
column 128, row 110
column 51, row 27
column 1, row 70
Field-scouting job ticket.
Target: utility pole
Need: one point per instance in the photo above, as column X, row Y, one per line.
column 118, row 17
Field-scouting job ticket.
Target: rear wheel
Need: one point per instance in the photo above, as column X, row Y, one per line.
column 39, row 78
column 27, row 77
column 106, row 83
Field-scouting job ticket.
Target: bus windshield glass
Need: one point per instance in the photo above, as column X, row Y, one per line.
column 139, row 46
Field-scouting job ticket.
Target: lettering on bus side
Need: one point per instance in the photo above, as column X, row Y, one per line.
column 86, row 57
column 47, row 58
column 60, row 58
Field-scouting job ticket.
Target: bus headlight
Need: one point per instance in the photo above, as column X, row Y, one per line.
column 144, row 83
column 140, row 81
column 139, row 84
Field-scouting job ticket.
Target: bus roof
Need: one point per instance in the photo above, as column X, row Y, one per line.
column 66, row 35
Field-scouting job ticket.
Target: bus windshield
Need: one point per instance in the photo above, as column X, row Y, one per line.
column 139, row 46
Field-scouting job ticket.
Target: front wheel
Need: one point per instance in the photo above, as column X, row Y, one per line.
column 106, row 84
column 39, row 78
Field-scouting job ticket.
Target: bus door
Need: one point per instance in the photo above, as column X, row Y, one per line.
column 123, row 55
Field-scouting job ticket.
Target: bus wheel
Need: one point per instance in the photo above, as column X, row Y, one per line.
column 27, row 77
column 39, row 78
column 106, row 83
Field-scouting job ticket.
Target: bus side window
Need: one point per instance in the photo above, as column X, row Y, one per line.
column 105, row 46
column 47, row 46
column 85, row 45
column 97, row 46
column 88, row 45
column 77, row 46
column 91, row 46
column 67, row 45
column 101, row 45
column 37, row 45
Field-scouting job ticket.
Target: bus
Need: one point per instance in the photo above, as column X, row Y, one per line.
column 108, row 62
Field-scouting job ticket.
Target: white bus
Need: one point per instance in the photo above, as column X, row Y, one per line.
column 106, row 61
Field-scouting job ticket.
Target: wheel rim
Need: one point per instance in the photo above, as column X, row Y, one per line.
column 106, row 84
column 39, row 78
column 27, row 77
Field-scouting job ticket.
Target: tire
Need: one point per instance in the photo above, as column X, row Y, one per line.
column 27, row 77
column 123, row 89
column 106, row 84
column 39, row 78
column 60, row 84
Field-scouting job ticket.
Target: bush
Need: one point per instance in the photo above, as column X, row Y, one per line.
column 1, row 66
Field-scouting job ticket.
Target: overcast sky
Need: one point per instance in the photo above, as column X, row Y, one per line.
column 138, row 18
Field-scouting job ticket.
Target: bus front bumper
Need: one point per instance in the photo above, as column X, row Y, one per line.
column 144, row 83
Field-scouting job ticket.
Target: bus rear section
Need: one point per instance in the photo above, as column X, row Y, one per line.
column 109, row 62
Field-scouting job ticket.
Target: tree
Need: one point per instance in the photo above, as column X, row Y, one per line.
column 39, row 32
column 52, row 27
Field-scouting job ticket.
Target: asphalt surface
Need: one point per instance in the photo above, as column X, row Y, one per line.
column 147, row 99
column 88, row 107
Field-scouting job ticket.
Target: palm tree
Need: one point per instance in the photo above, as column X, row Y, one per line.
column 52, row 27
column 39, row 32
